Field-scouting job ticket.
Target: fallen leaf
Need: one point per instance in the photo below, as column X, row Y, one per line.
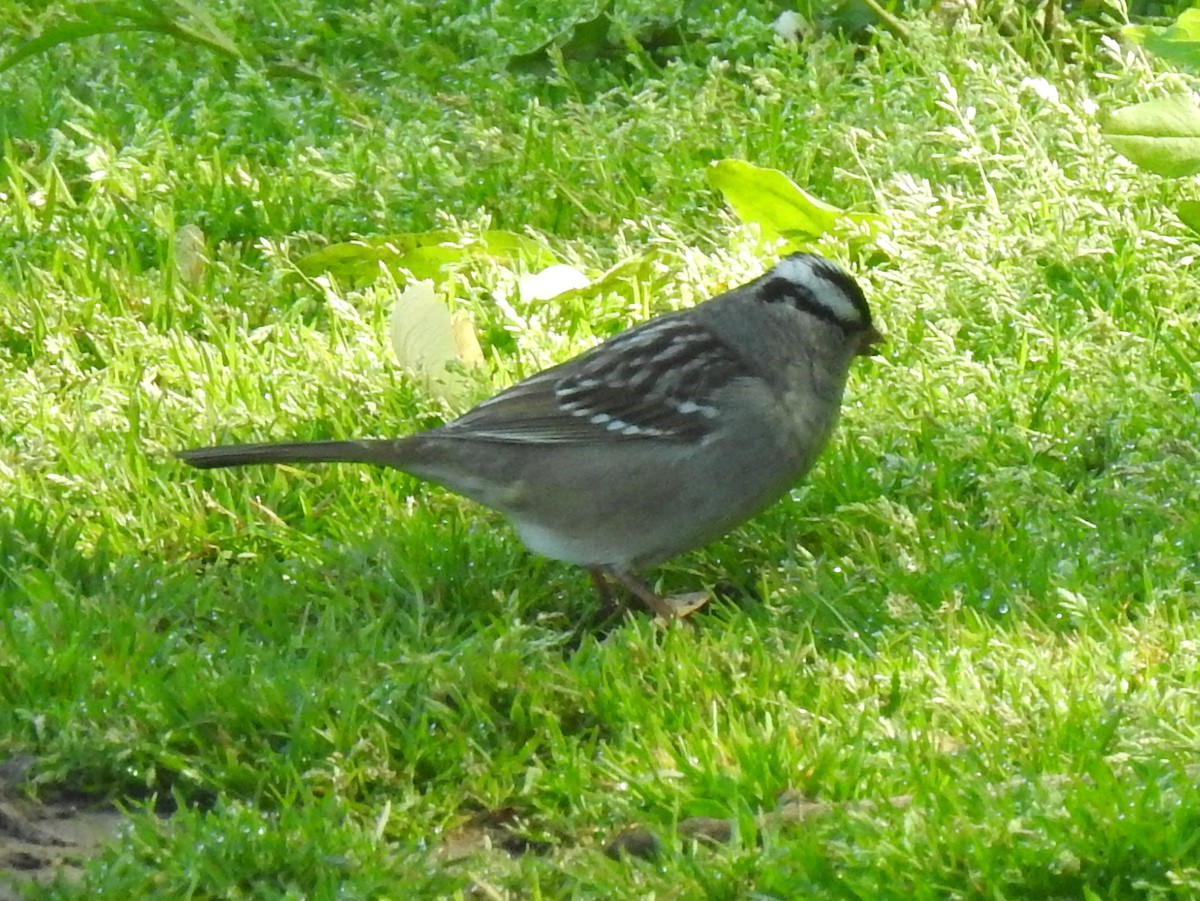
column 432, row 344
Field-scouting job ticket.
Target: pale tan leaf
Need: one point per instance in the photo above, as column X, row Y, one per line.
column 191, row 255
column 551, row 282
column 431, row 345
column 465, row 340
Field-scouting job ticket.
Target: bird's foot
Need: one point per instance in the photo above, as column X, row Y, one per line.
column 665, row 609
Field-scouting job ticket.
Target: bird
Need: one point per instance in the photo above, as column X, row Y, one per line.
column 655, row 442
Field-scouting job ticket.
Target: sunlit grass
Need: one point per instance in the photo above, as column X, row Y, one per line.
column 983, row 597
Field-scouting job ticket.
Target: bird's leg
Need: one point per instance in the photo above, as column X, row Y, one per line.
column 666, row 609
column 609, row 602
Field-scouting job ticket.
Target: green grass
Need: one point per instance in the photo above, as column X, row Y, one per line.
column 984, row 596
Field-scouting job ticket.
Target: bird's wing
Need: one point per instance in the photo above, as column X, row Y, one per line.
column 656, row 381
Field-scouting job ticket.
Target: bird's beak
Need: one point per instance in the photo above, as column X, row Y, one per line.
column 868, row 344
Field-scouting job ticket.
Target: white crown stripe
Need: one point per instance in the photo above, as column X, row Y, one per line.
column 818, row 277
column 835, row 300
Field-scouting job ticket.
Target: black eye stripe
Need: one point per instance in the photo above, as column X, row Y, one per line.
column 821, row 289
column 782, row 290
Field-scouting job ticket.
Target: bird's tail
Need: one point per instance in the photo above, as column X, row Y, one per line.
column 381, row 453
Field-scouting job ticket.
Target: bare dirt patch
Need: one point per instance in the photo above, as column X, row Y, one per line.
column 40, row 840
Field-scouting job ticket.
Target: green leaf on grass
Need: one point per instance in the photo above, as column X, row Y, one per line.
column 585, row 40
column 1178, row 43
column 615, row 279
column 89, row 19
column 1189, row 214
column 420, row 254
column 597, row 38
column 781, row 208
column 1161, row 136
column 207, row 33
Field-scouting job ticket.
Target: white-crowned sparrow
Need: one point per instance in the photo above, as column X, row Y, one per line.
column 657, row 441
